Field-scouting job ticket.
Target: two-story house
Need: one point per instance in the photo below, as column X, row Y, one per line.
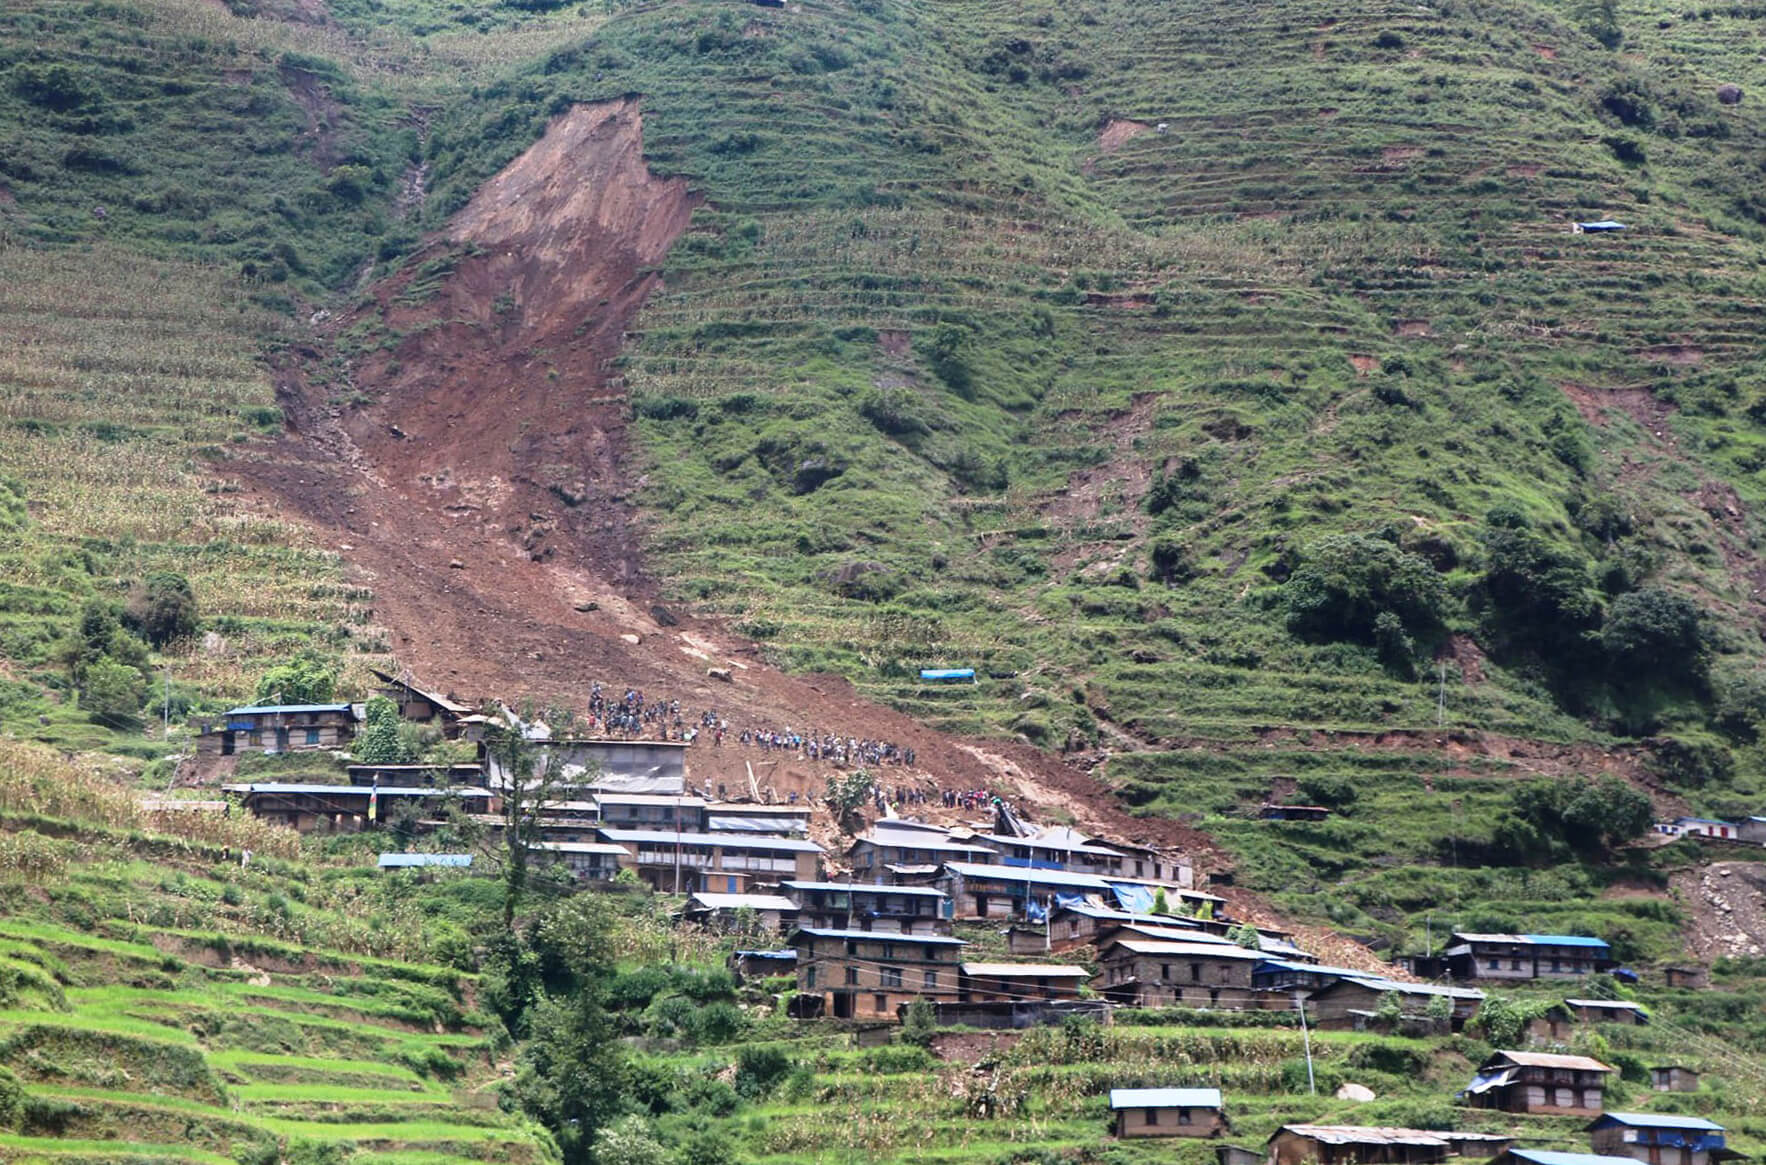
column 1539, row 1082
column 859, row 906
column 859, row 974
column 1516, row 957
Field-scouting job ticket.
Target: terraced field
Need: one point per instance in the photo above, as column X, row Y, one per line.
column 156, row 1046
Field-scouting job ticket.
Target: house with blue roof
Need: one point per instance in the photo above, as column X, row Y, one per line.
column 1521, row 957
column 1550, row 1157
column 1660, row 1138
column 277, row 728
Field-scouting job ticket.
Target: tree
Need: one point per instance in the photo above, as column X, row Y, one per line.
column 1657, row 634
column 1589, row 817
column 1440, row 1008
column 1161, row 904
column 113, row 692
column 308, row 678
column 572, row 1075
column 163, row 609
column 1346, row 582
column 380, row 742
column 1535, row 598
column 847, row 796
column 629, row 1141
column 1390, row 1009
column 531, row 773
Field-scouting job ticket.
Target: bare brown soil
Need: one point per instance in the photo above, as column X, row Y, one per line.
column 1412, row 328
column 323, row 111
column 1364, row 364
column 1120, row 131
column 483, row 492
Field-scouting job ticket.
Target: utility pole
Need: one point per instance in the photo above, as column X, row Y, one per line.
column 1441, row 697
column 1306, row 1034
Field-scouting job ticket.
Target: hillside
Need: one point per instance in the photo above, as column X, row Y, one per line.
column 1226, row 386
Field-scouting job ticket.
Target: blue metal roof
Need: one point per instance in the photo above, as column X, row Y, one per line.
column 1565, row 940
column 1659, row 1120
column 787, row 955
column 265, row 708
column 1548, row 1157
column 1026, row 874
column 390, row 861
column 353, row 790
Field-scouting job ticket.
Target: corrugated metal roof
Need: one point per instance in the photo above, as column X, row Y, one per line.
column 1660, row 1120
column 1376, row 984
column 355, row 790
column 725, row 840
column 1026, row 970
column 884, row 936
column 787, row 955
column 718, row 901
column 1609, row 1005
column 679, row 799
column 1365, row 1135
column 1027, row 875
column 388, row 861
column 1550, row 940
column 919, row 891
column 1164, row 1098
column 1193, row 949
column 579, row 847
column 265, row 709
column 1551, row 1060
column 1548, row 1157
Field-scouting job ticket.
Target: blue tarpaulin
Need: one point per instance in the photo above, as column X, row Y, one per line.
column 948, row 673
column 1035, row 911
column 1134, row 899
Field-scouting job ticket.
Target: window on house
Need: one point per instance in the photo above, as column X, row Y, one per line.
column 931, row 980
column 1183, row 1116
column 1152, row 1116
column 1515, row 965
column 312, row 736
column 1165, row 971
column 892, row 976
column 1195, row 972
column 881, row 1002
column 809, row 977
column 852, row 976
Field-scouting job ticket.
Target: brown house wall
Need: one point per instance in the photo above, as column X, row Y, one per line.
column 1131, row 1122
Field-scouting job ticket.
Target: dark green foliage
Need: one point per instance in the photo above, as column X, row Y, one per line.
column 1589, row 817
column 378, row 742
column 1658, row 634
column 163, row 609
column 759, row 1069
column 308, row 678
column 1534, row 597
column 1348, row 583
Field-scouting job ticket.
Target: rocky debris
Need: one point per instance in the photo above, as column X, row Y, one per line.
column 1730, row 94
column 1728, row 903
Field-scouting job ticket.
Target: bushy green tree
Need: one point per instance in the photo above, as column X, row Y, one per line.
column 630, row 1141
column 1535, row 597
column 380, row 741
column 1585, row 817
column 1347, row 582
column 113, row 692
column 163, row 608
column 847, row 796
column 308, row 678
column 1658, row 634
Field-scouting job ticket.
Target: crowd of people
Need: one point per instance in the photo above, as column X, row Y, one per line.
column 633, row 716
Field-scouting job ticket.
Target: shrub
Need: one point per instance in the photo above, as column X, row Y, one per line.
column 1347, row 581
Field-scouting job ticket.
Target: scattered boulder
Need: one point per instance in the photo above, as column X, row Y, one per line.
column 663, row 616
column 1357, row 1092
column 1729, row 94
column 719, row 673
column 587, row 605
column 456, row 564
column 631, row 639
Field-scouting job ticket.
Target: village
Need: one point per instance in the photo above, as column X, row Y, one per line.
column 863, row 921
